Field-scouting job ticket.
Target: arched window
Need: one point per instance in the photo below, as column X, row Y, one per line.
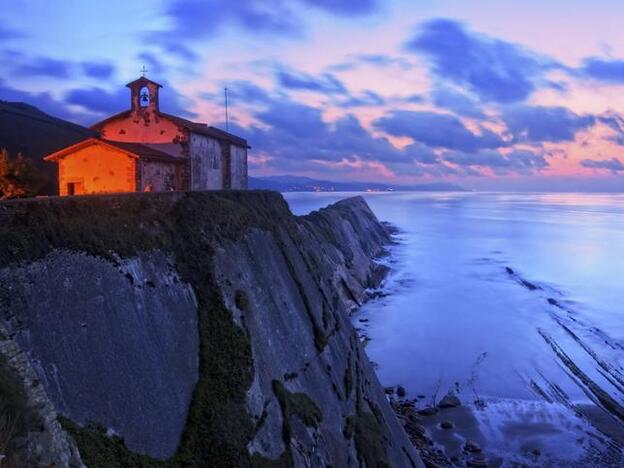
column 144, row 97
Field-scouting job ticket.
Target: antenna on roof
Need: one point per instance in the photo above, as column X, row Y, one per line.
column 227, row 118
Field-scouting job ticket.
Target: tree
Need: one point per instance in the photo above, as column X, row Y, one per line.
column 4, row 163
column 19, row 178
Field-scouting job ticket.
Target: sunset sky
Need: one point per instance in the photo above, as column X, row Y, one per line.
column 513, row 95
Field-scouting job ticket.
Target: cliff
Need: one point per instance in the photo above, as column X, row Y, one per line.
column 190, row 329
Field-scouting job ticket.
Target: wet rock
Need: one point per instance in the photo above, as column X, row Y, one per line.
column 477, row 463
column 530, row 286
column 429, row 411
column 413, row 428
column 480, row 404
column 377, row 294
column 434, row 459
column 446, row 425
column 404, row 406
column 449, row 401
column 413, row 416
column 554, row 302
column 527, row 284
column 401, row 391
column 472, row 447
column 390, row 228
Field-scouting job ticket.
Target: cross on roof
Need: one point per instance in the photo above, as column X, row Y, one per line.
column 143, row 71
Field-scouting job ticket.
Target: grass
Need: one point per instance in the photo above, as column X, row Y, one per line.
column 367, row 429
column 98, row 450
column 295, row 404
column 369, row 440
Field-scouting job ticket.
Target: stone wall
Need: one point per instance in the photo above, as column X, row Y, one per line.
column 160, row 176
column 205, row 163
column 238, row 158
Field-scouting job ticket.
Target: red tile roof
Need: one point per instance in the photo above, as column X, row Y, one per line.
column 136, row 150
column 142, row 150
column 195, row 127
column 204, row 129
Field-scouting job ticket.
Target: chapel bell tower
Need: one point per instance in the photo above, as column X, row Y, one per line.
column 144, row 95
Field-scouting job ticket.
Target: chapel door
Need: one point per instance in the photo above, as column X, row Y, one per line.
column 75, row 188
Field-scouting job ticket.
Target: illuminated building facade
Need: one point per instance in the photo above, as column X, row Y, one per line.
column 144, row 149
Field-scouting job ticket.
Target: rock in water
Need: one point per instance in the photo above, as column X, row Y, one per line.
column 472, row 447
column 429, row 411
column 449, row 401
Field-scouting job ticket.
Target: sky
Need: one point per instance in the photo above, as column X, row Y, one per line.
column 491, row 95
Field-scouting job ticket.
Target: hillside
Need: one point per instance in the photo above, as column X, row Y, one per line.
column 27, row 130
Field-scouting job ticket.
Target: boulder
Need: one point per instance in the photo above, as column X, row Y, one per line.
column 429, row 411
column 472, row 447
column 449, row 401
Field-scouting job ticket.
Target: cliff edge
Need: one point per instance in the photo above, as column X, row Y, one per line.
column 191, row 329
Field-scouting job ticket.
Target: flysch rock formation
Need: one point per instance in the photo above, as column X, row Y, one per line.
column 192, row 329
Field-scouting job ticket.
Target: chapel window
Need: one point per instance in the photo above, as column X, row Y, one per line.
column 144, row 97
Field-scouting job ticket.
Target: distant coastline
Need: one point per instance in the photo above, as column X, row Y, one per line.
column 287, row 183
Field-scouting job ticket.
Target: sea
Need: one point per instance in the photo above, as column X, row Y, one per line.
column 514, row 302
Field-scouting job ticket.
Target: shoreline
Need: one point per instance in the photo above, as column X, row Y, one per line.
column 450, row 434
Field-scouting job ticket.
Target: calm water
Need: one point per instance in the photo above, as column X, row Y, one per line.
column 526, row 340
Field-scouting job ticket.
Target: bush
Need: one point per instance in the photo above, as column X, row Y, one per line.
column 19, row 178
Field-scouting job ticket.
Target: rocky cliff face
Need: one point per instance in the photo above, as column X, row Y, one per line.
column 199, row 329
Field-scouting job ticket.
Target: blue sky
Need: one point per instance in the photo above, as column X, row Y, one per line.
column 493, row 95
